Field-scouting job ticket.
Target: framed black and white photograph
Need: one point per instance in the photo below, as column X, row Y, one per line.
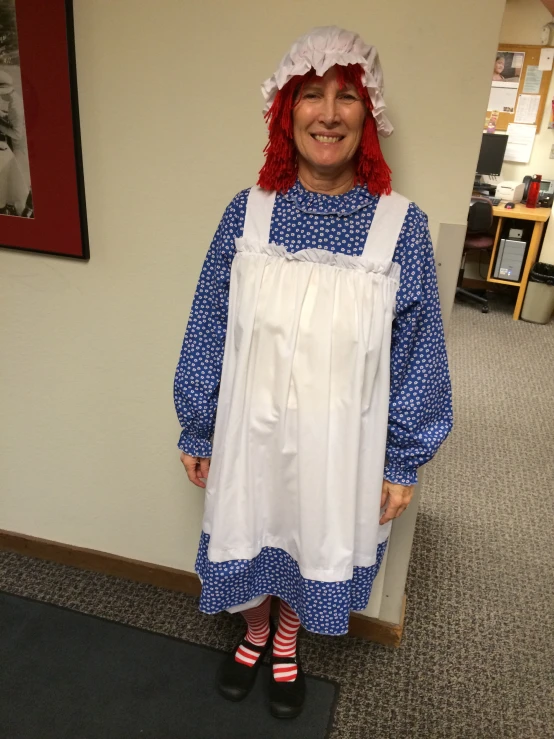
column 42, row 202
column 15, row 178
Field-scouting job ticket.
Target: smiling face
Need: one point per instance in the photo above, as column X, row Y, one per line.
column 327, row 125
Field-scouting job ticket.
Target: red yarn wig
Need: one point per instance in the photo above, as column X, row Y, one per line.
column 281, row 165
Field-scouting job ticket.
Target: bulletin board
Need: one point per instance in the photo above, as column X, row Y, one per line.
column 519, row 83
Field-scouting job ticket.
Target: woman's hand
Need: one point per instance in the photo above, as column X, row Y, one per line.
column 399, row 497
column 197, row 469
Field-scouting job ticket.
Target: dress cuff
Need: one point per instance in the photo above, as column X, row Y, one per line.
column 400, row 475
column 193, row 446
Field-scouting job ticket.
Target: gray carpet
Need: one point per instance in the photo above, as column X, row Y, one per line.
column 477, row 658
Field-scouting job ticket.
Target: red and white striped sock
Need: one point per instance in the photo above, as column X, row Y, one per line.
column 284, row 643
column 258, row 632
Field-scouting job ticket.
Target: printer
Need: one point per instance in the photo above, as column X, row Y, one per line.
column 511, row 191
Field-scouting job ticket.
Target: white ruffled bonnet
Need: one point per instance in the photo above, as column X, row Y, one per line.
column 322, row 48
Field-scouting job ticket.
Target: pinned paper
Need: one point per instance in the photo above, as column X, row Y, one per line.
column 527, row 107
column 502, row 99
column 547, row 59
column 533, row 79
column 520, row 142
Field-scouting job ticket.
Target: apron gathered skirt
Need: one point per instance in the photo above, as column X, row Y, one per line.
column 293, row 495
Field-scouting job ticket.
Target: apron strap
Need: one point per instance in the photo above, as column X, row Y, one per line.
column 385, row 228
column 259, row 209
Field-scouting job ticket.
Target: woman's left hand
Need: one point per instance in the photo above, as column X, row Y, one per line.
column 399, row 497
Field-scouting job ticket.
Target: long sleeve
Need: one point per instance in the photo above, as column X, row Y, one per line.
column 420, row 407
column 197, row 378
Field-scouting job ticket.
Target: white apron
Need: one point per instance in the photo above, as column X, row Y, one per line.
column 301, row 427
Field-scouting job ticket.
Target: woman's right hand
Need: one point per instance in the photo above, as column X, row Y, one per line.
column 197, row 469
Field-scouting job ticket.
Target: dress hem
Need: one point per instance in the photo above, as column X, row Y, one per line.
column 322, row 607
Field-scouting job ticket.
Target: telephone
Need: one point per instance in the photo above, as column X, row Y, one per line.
column 546, row 194
column 526, row 182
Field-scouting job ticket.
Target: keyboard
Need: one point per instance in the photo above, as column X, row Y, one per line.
column 492, row 201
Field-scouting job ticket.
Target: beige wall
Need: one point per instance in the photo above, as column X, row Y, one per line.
column 171, row 130
column 522, row 24
column 523, row 21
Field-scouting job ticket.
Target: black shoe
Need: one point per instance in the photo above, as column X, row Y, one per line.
column 286, row 700
column 235, row 680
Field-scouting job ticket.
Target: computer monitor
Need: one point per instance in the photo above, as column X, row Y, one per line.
column 491, row 156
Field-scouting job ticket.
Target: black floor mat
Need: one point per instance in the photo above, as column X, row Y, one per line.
column 66, row 675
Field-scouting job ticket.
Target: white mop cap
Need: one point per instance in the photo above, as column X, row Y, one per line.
column 322, row 48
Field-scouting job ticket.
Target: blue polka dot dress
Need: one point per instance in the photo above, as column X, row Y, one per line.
column 289, row 405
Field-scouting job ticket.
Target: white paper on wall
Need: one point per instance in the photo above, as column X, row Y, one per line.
column 533, row 79
column 527, row 107
column 503, row 99
column 521, row 138
column 546, row 59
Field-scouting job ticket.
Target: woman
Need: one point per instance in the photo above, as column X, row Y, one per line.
column 290, row 339
column 498, row 69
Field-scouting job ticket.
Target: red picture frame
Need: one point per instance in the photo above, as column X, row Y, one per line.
column 49, row 90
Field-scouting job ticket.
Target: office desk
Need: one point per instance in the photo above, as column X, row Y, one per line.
column 522, row 213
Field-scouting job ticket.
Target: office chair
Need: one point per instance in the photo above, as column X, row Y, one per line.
column 479, row 223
